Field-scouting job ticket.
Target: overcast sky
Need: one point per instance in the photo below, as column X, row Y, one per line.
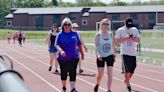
column 107, row 1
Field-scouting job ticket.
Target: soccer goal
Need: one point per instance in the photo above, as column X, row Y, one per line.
column 158, row 31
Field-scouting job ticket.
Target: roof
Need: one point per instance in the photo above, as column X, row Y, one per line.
column 9, row 16
column 59, row 10
column 107, row 9
column 124, row 9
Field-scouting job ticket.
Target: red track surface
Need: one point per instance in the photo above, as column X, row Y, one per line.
column 32, row 61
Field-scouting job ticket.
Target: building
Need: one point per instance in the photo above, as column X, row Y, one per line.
column 87, row 17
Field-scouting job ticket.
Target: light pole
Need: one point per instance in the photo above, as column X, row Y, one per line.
column 156, row 13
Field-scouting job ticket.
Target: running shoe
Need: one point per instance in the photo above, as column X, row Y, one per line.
column 129, row 89
column 80, row 70
column 109, row 91
column 96, row 88
column 56, row 71
column 50, row 68
column 64, row 89
column 74, row 90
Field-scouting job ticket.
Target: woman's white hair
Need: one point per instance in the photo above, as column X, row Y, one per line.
column 66, row 20
column 105, row 20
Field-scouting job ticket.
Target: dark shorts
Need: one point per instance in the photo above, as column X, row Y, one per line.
column 109, row 61
column 128, row 63
column 52, row 49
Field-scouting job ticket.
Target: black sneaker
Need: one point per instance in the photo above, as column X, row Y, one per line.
column 64, row 89
column 56, row 71
column 96, row 88
column 109, row 91
column 129, row 89
column 50, row 68
column 80, row 70
column 74, row 90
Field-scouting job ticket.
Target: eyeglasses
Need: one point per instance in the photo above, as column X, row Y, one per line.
column 67, row 24
column 105, row 24
column 75, row 27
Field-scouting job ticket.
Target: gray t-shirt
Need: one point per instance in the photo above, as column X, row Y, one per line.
column 128, row 46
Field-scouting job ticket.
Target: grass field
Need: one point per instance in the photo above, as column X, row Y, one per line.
column 149, row 39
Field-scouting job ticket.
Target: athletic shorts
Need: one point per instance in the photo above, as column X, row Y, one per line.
column 109, row 60
column 52, row 49
column 128, row 63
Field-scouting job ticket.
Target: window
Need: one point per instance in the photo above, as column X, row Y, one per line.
column 39, row 21
column 74, row 19
column 151, row 16
column 9, row 23
column 115, row 16
column 134, row 16
column 84, row 22
column 57, row 19
column 151, row 19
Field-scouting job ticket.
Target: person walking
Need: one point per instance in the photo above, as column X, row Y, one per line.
column 67, row 42
column 20, row 38
column 24, row 37
column 128, row 36
column 75, row 27
column 15, row 37
column 51, row 48
column 8, row 37
column 105, row 53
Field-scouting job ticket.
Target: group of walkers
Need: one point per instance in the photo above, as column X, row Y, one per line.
column 66, row 48
column 16, row 37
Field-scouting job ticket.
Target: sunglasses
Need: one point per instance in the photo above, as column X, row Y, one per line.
column 105, row 24
column 67, row 24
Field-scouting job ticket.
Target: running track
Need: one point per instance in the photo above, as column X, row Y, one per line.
column 31, row 61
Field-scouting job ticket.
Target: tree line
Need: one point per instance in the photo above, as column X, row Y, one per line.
column 6, row 5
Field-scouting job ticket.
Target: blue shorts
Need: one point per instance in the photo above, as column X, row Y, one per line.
column 52, row 49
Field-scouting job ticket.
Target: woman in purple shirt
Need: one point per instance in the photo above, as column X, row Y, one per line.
column 67, row 42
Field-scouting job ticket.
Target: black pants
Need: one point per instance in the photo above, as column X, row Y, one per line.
column 68, row 67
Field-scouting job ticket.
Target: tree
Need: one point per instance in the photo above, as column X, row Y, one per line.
column 84, row 2
column 54, row 2
column 4, row 10
column 118, row 3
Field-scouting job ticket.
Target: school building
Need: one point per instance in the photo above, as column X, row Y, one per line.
column 145, row 17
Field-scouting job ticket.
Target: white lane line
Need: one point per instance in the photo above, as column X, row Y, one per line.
column 115, row 69
column 101, row 88
column 137, row 63
column 116, row 62
column 145, row 88
column 122, row 80
column 30, row 70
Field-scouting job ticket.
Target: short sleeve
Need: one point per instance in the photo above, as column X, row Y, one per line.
column 78, row 39
column 57, row 40
column 118, row 35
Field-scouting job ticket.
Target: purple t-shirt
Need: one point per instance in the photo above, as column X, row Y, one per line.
column 68, row 42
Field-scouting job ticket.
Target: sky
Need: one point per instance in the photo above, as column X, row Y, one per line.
column 107, row 1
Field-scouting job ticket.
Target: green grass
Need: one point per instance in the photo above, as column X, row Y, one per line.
column 153, row 57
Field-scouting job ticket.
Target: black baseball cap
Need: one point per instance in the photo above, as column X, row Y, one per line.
column 54, row 25
column 129, row 22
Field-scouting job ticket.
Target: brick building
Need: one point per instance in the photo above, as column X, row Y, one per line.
column 87, row 17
